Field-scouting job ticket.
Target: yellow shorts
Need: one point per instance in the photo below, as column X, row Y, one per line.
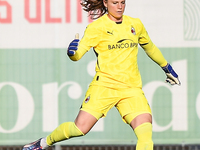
column 99, row 100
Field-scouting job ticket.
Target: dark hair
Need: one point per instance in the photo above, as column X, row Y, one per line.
column 95, row 8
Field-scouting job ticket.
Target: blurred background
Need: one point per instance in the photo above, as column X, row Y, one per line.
column 41, row 88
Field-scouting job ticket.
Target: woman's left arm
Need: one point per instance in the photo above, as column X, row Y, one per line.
column 155, row 54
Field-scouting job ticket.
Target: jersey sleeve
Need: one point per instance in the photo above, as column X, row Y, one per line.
column 155, row 54
column 149, row 47
column 89, row 40
column 91, row 37
column 143, row 37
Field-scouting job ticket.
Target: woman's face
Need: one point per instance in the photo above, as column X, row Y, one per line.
column 115, row 9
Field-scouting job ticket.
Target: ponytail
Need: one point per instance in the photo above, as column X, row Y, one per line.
column 95, row 8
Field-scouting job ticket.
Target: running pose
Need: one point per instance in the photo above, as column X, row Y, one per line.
column 114, row 38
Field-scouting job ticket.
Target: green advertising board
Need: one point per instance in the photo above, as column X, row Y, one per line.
column 42, row 88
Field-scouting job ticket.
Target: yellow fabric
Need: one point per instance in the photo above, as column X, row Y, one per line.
column 99, row 100
column 64, row 131
column 144, row 135
column 116, row 48
column 155, row 54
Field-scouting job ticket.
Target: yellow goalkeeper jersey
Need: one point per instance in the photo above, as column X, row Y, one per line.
column 116, row 48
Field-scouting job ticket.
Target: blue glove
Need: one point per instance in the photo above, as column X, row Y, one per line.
column 172, row 77
column 73, row 46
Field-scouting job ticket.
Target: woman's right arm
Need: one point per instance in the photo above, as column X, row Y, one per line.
column 89, row 40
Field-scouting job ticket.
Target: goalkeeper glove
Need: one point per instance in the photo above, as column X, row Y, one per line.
column 73, row 46
column 172, row 77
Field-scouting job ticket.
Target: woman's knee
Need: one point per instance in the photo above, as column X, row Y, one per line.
column 136, row 120
column 85, row 121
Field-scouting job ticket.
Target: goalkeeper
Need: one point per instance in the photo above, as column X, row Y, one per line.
column 114, row 38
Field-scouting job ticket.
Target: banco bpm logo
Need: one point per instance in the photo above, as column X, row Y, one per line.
column 124, row 43
column 192, row 20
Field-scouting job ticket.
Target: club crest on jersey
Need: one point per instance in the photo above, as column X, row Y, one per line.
column 133, row 30
column 87, row 99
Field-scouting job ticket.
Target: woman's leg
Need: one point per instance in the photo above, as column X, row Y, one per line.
column 85, row 121
column 142, row 126
column 140, row 119
column 81, row 126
